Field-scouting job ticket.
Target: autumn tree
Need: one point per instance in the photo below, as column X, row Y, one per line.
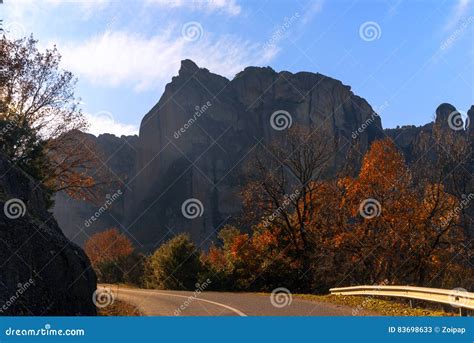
column 106, row 246
column 283, row 177
column 392, row 231
column 256, row 261
column 38, row 110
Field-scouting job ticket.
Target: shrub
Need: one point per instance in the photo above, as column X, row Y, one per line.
column 174, row 265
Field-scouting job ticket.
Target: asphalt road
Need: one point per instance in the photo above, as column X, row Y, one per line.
column 172, row 303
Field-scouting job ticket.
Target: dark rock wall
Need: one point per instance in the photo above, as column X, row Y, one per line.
column 41, row 271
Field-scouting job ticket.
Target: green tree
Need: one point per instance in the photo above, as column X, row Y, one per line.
column 174, row 265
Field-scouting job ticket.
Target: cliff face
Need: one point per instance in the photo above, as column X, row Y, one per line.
column 39, row 266
column 196, row 140
column 117, row 160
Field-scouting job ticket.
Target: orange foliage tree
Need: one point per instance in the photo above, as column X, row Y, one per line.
column 376, row 227
column 107, row 246
column 384, row 228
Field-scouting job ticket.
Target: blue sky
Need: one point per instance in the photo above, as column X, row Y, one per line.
column 403, row 57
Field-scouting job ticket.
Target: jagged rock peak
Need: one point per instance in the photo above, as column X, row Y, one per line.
column 442, row 114
column 189, row 67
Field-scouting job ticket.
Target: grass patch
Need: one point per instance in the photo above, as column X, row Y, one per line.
column 119, row 308
column 375, row 304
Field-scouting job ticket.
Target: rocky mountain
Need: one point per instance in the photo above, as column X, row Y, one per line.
column 116, row 157
column 40, row 267
column 414, row 141
column 195, row 142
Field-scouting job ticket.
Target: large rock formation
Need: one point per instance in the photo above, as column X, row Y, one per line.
column 197, row 138
column 116, row 160
column 41, row 271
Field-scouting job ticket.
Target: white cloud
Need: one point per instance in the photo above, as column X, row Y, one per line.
column 227, row 6
column 103, row 122
column 313, row 9
column 459, row 12
column 142, row 63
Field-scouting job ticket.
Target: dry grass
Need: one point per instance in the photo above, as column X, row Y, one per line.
column 376, row 305
column 119, row 308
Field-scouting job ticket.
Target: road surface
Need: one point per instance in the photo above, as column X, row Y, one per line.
column 182, row 303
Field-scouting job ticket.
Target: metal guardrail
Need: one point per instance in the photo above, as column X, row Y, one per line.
column 458, row 297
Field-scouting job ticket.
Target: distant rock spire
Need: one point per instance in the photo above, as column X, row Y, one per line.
column 188, row 67
column 443, row 113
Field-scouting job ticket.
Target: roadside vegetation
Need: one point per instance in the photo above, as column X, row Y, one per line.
column 367, row 305
column 119, row 308
column 411, row 233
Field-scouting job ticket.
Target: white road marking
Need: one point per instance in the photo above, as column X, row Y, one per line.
column 240, row 313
